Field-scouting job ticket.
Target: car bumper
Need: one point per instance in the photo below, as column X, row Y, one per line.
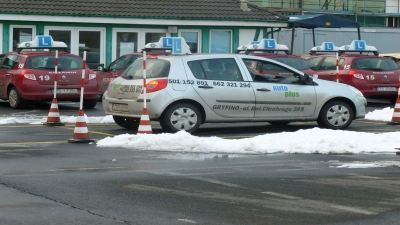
column 155, row 104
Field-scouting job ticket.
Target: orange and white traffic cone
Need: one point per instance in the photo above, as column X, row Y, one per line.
column 396, row 112
column 144, row 125
column 81, row 133
column 53, row 119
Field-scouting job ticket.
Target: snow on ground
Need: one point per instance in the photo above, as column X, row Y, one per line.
column 305, row 141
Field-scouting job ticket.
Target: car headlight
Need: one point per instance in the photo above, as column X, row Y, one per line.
column 355, row 90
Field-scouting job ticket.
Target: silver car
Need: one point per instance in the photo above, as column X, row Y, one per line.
column 185, row 91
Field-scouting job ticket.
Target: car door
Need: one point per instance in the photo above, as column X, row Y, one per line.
column 220, row 83
column 3, row 79
column 279, row 93
column 326, row 68
column 6, row 71
column 115, row 69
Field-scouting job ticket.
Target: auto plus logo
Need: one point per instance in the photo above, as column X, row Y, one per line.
column 288, row 94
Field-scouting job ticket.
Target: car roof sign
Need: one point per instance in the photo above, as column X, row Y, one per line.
column 42, row 42
column 177, row 45
column 358, row 46
column 325, row 47
column 269, row 45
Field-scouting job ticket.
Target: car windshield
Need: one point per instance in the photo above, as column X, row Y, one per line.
column 380, row 64
column 48, row 62
column 297, row 63
column 154, row 68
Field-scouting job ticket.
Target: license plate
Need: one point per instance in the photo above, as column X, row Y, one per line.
column 120, row 107
column 66, row 91
column 386, row 89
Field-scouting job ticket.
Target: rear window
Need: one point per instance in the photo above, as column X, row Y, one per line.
column 48, row 62
column 154, row 68
column 380, row 64
column 296, row 63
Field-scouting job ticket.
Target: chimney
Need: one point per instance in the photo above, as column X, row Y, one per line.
column 243, row 5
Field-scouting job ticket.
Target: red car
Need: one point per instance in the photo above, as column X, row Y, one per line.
column 28, row 76
column 268, row 48
column 375, row 76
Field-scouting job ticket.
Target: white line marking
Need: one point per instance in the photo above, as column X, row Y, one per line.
column 281, row 195
column 354, row 210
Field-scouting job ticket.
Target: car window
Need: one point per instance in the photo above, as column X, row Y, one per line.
column 381, row 64
column 119, row 64
column 2, row 57
column 262, row 71
column 154, row 68
column 297, row 63
column 313, row 62
column 132, row 59
column 216, row 69
column 65, row 62
column 9, row 62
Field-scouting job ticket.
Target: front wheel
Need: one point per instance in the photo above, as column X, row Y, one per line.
column 335, row 115
column 181, row 116
column 127, row 122
column 15, row 99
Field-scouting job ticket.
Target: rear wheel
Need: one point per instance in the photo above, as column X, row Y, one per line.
column 335, row 115
column 393, row 100
column 127, row 122
column 90, row 103
column 182, row 116
column 15, row 99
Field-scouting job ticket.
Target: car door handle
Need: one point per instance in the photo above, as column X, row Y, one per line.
column 263, row 89
column 7, row 74
column 206, row 87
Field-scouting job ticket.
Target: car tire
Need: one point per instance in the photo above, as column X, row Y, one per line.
column 279, row 123
column 127, row 122
column 335, row 115
column 393, row 100
column 90, row 103
column 182, row 116
column 15, row 99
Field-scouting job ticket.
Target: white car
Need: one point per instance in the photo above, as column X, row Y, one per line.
column 185, row 91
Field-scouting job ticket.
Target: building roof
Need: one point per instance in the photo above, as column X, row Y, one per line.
column 151, row 9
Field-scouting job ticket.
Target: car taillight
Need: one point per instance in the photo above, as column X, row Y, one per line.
column 356, row 74
column 151, row 57
column 156, row 85
column 28, row 74
column 92, row 76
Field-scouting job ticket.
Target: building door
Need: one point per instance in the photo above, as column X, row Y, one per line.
column 79, row 40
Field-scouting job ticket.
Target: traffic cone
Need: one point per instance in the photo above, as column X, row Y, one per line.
column 81, row 133
column 144, row 125
column 53, row 119
column 396, row 112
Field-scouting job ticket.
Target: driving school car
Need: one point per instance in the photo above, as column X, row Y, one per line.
column 27, row 75
column 184, row 91
column 360, row 66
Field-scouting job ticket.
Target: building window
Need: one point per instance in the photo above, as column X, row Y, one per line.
column 192, row 39
column 21, row 34
column 153, row 37
column 127, row 42
column 221, row 41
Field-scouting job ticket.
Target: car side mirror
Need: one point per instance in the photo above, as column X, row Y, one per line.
column 100, row 67
column 306, row 79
